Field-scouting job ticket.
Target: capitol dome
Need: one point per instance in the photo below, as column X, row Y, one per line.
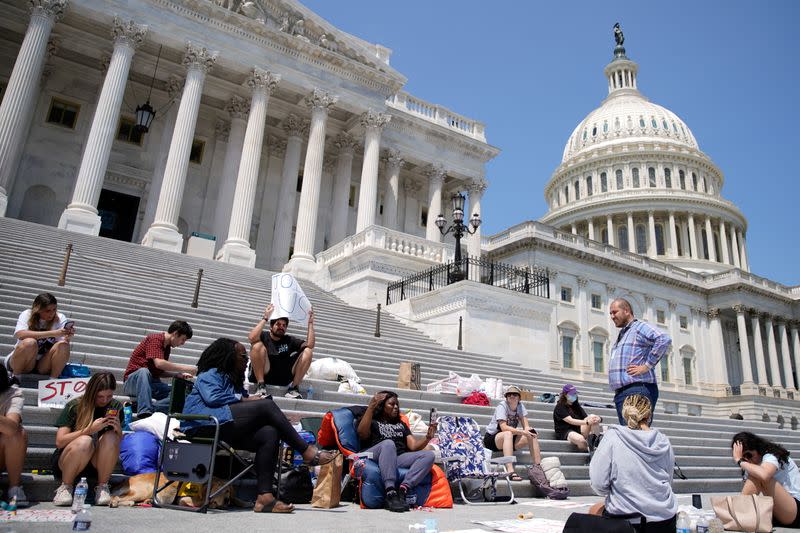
column 632, row 176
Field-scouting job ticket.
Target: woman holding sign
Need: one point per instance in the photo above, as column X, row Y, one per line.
column 87, row 440
column 43, row 336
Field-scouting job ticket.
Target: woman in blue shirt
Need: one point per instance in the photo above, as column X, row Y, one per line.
column 251, row 423
column 769, row 471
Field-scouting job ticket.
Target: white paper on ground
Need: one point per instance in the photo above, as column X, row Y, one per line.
column 289, row 299
column 559, row 504
column 534, row 525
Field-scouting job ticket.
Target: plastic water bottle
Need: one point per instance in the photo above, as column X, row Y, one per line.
column 81, row 489
column 702, row 524
column 310, row 392
column 127, row 416
column 82, row 520
column 431, row 526
column 683, row 525
column 715, row 526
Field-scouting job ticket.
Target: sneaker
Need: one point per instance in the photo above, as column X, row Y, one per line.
column 409, row 497
column 22, row 500
column 63, row 496
column 102, row 495
column 592, row 440
column 394, row 502
column 294, row 393
column 261, row 389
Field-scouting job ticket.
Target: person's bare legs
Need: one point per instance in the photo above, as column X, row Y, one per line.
column 54, row 361
column 23, row 359
column 12, row 454
column 301, row 366
column 105, row 456
column 74, row 458
column 259, row 361
column 532, row 442
column 578, row 440
column 597, row 509
column 784, row 508
column 505, row 442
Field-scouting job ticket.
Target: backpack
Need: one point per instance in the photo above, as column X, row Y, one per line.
column 547, row 397
column 542, row 487
column 296, row 486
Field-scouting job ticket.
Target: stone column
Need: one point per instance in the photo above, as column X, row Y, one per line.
column 631, row 234
column 652, row 249
column 295, row 128
column 81, row 214
column 719, row 370
column 584, row 358
column 735, row 247
column 435, row 175
column 693, row 238
column 758, row 345
column 744, row 346
column 574, row 228
column 303, row 257
column 590, row 224
column 772, row 349
column 368, row 190
column 238, row 109
column 699, row 340
column 411, row 188
column 742, row 251
column 723, row 243
column 174, row 87
column 19, row 99
column 394, row 162
column 341, row 186
column 673, row 236
column 684, row 239
column 476, row 189
column 796, row 345
column 712, row 252
column 786, row 356
column 612, row 238
column 237, row 246
column 163, row 233
column 269, row 202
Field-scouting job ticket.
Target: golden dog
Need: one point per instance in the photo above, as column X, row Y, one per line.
column 139, row 489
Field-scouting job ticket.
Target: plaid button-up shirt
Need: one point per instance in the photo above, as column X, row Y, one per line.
column 638, row 343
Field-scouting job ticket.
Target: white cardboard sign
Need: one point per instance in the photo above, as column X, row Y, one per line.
column 57, row 392
column 289, row 299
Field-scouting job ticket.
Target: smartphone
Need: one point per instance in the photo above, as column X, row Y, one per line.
column 432, row 416
column 112, row 412
column 69, row 324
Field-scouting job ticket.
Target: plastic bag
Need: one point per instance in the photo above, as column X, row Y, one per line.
column 415, row 422
column 330, row 368
column 352, row 386
column 466, row 386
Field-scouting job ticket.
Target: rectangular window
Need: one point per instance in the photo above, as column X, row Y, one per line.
column 684, row 322
column 567, row 345
column 687, row 370
column 63, row 113
column 664, row 370
column 128, row 133
column 660, row 317
column 423, row 220
column 597, row 302
column 566, row 294
column 597, row 350
column 196, row 154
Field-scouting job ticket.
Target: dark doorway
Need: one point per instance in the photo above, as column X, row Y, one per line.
column 117, row 214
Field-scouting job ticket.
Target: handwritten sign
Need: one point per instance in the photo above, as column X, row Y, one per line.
column 57, row 392
column 289, row 299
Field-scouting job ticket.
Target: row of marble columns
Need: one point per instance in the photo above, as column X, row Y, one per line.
column 761, row 376
column 733, row 250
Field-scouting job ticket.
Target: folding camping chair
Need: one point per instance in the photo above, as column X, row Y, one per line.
column 464, row 458
column 190, row 459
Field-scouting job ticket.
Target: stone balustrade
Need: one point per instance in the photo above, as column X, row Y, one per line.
column 437, row 114
column 395, row 242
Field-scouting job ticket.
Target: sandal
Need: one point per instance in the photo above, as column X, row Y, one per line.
column 275, row 506
column 515, row 477
column 322, row 457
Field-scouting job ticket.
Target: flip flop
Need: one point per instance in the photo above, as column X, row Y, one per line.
column 276, row 506
column 322, row 457
column 515, row 477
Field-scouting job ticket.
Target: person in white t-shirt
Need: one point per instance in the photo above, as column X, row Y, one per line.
column 509, row 430
column 43, row 335
column 770, row 471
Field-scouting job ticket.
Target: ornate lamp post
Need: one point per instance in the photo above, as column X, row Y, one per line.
column 458, row 228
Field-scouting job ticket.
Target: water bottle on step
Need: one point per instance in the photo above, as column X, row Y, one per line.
column 79, row 496
column 82, row 520
column 683, row 525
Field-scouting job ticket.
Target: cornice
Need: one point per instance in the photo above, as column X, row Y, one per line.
column 440, row 137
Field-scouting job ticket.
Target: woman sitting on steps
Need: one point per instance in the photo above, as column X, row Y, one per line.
column 509, row 430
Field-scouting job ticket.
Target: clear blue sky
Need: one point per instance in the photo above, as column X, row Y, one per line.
column 532, row 70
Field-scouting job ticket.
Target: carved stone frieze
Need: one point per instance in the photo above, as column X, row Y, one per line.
column 237, row 107
column 295, row 126
column 199, row 57
column 127, row 33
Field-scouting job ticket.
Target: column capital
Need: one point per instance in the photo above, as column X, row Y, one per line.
column 345, row 143
column 411, row 186
column 629, row 214
column 696, row 311
column 582, row 282
column 48, row 8
column 372, row 119
column 611, row 288
column 127, row 33
column 671, row 212
column 276, row 145
column 174, row 86
column 767, row 317
column 648, row 299
column 393, row 158
column 435, row 172
column 222, row 128
column 199, row 58
column 477, row 187
column 295, row 126
column 672, row 305
column 713, row 313
column 262, row 80
column 781, row 321
column 237, row 107
column 650, row 212
column 319, row 99
column 740, row 309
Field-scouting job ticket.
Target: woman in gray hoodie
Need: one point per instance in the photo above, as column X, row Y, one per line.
column 632, row 467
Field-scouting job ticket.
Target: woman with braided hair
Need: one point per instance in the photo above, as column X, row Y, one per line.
column 632, row 467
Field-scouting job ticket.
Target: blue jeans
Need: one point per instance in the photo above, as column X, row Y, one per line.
column 645, row 389
column 143, row 388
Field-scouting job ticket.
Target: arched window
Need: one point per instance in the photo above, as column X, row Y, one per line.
column 705, row 243
column 620, row 181
column 603, row 182
column 659, row 239
column 682, row 179
column 622, row 238
column 653, row 123
column 641, row 239
column 577, row 189
column 641, row 122
column 635, row 177
column 694, row 181
column 589, row 191
column 604, row 236
column 651, row 174
column 667, row 178
column 605, row 127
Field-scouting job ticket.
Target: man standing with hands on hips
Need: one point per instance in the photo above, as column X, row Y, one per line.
column 638, row 349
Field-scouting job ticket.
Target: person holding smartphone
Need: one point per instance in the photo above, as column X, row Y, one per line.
column 509, row 430
column 43, row 339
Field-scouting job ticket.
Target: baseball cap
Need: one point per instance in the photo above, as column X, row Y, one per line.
column 569, row 388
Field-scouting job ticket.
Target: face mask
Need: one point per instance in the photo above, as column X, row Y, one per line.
column 572, row 397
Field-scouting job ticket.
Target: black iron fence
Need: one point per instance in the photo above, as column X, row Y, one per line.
column 529, row 281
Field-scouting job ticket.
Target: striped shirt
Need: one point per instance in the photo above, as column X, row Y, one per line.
column 638, row 343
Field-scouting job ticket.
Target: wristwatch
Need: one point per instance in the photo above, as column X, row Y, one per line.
column 739, row 463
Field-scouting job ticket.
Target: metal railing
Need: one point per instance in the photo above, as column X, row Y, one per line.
column 529, row 281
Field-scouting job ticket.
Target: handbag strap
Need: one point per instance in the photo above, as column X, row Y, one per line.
column 755, row 509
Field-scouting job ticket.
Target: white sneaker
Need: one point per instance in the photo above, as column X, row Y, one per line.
column 102, row 495
column 63, row 496
column 22, row 500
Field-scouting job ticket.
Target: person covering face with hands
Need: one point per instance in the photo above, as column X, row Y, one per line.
column 509, row 430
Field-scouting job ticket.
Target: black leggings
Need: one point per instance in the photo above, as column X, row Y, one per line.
column 257, row 426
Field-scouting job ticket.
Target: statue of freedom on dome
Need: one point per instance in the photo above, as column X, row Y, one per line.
column 619, row 37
